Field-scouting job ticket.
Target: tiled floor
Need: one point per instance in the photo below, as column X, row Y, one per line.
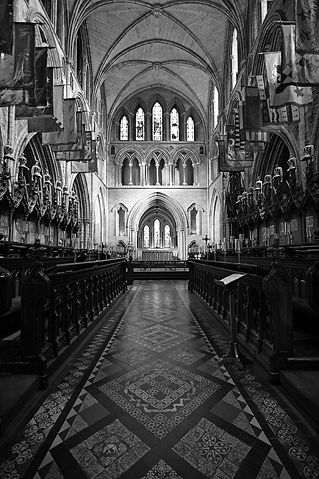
column 153, row 401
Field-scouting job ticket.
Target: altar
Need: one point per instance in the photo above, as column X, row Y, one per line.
column 157, row 254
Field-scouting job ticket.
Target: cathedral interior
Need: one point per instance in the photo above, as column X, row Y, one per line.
column 159, row 239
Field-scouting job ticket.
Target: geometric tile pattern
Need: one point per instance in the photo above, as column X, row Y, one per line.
column 210, row 449
column 149, row 398
column 186, row 356
column 159, row 337
column 159, row 396
column 111, row 451
column 161, row 470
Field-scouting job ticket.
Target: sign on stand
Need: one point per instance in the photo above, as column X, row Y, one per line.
column 230, row 283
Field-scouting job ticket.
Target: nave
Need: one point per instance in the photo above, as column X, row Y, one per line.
column 148, row 397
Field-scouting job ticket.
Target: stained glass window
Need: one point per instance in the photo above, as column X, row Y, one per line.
column 146, row 236
column 174, row 125
column 234, row 58
column 157, row 233
column 168, row 241
column 140, row 124
column 216, row 106
column 124, row 128
column 190, row 130
column 157, row 118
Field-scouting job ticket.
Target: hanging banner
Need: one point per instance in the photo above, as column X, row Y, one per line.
column 87, row 154
column 6, row 26
column 307, row 26
column 279, row 94
column 252, row 111
column 70, row 132
column 231, row 159
column 300, row 66
column 77, row 145
column 17, row 71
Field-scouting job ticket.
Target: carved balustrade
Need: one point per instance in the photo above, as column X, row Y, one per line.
column 57, row 308
column 263, row 309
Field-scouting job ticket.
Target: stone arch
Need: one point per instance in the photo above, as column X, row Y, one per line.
column 279, row 140
column 120, row 212
column 215, row 218
column 185, row 153
column 130, row 153
column 195, row 219
column 163, row 201
column 157, row 152
column 55, row 56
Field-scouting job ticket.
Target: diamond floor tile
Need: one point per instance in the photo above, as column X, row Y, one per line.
column 153, row 401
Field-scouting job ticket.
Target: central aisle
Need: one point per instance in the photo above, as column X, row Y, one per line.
column 155, row 403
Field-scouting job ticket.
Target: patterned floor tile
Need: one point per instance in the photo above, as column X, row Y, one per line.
column 109, row 452
column 210, row 450
column 160, row 396
column 159, row 338
column 186, row 356
column 133, row 356
column 161, row 470
column 155, row 402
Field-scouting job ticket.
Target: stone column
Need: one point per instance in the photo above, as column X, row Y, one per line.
column 131, row 125
column 148, row 126
column 183, row 170
column 84, row 232
column 182, row 127
column 130, row 166
column 157, row 174
column 166, row 127
column 167, row 173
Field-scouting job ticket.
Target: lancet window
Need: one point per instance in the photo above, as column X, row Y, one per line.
column 146, row 236
column 157, row 120
column 140, row 124
column 190, row 129
column 174, row 117
column 157, row 234
column 167, row 237
column 124, row 128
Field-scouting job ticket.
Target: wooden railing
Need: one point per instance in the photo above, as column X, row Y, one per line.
column 57, row 308
column 263, row 309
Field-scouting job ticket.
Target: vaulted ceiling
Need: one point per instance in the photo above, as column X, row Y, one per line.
column 176, row 44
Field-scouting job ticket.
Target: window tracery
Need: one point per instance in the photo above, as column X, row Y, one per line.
column 174, row 117
column 157, row 122
column 140, row 124
column 124, row 128
column 190, row 129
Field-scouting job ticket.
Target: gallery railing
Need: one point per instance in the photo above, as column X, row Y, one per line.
column 58, row 307
column 263, row 309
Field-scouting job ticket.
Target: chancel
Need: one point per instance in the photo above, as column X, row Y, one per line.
column 159, row 239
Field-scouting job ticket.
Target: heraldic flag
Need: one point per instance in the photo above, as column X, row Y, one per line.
column 279, row 94
column 301, row 45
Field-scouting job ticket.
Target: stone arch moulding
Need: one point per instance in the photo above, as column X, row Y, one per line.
column 261, row 166
column 185, row 153
column 157, row 153
column 215, row 217
column 115, row 210
column 163, row 201
column 130, row 153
